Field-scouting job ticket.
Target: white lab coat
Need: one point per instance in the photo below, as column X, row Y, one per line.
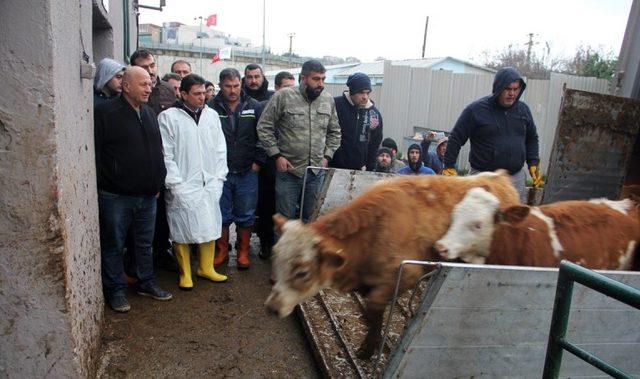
column 196, row 159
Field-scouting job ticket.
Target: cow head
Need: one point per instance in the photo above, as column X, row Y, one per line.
column 472, row 224
column 303, row 264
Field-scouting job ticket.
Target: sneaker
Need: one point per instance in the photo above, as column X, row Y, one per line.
column 153, row 291
column 119, row 303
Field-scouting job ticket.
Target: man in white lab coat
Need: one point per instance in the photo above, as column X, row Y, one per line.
column 195, row 156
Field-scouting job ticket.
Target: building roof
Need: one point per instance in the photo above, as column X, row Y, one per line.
column 376, row 69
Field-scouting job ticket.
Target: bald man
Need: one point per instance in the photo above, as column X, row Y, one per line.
column 130, row 170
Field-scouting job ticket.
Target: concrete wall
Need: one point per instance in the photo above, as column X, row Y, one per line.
column 51, row 304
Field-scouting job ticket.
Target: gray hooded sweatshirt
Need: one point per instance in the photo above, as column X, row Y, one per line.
column 107, row 69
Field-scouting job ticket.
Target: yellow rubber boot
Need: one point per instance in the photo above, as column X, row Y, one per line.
column 182, row 256
column 206, row 252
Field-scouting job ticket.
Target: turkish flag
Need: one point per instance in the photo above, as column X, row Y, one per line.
column 215, row 58
column 212, row 20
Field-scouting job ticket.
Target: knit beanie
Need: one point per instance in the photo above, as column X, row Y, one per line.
column 390, row 143
column 358, row 82
column 384, row 150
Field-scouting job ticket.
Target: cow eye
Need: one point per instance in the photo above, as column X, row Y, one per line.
column 477, row 225
column 301, row 274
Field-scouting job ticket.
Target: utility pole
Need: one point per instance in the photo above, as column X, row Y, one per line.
column 200, row 37
column 529, row 46
column 424, row 40
column 290, row 35
column 264, row 11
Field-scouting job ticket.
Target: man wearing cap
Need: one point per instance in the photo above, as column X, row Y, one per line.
column 415, row 166
column 360, row 126
column 396, row 164
column 383, row 160
column 501, row 131
column 108, row 81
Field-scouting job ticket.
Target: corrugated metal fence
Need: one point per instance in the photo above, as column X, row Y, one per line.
column 414, row 99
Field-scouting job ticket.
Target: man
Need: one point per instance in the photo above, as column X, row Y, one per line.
column 360, row 126
column 162, row 97
column 107, row 83
column 210, row 90
column 181, row 67
column 174, row 81
column 162, row 94
column 284, row 79
column 383, row 160
column 239, row 116
column 195, row 157
column 434, row 161
column 299, row 128
column 255, row 84
column 502, row 133
column 396, row 164
column 129, row 180
column 415, row 167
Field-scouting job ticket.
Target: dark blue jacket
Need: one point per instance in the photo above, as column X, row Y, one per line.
column 240, row 133
column 361, row 130
column 500, row 137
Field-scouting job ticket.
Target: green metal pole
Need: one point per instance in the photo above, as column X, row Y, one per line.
column 559, row 322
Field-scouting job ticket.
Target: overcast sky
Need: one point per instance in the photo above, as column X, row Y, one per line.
column 394, row 29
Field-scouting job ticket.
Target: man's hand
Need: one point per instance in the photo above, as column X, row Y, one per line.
column 431, row 136
column 535, row 175
column 325, row 162
column 283, row 165
column 255, row 167
column 450, row 172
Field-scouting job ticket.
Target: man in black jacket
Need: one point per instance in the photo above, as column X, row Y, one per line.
column 360, row 125
column 502, row 133
column 130, row 170
column 239, row 116
column 255, row 84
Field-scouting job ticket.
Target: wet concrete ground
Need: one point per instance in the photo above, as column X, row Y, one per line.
column 215, row 330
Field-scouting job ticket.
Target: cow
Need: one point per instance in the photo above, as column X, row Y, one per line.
column 360, row 245
column 597, row 234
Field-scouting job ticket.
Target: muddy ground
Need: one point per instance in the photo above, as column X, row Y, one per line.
column 215, row 330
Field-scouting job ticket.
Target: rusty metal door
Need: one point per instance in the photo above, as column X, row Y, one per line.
column 593, row 143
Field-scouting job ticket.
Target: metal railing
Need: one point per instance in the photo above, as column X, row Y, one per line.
column 568, row 274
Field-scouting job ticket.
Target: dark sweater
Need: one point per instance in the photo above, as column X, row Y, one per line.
column 361, row 130
column 240, row 132
column 500, row 137
column 129, row 158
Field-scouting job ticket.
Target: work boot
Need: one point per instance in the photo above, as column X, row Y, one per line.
column 184, row 264
column 206, row 252
column 222, row 246
column 244, row 236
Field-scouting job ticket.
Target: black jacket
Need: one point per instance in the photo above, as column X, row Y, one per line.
column 500, row 137
column 240, row 132
column 129, row 158
column 361, row 130
column 261, row 94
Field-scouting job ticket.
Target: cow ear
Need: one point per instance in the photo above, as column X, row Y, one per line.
column 279, row 221
column 485, row 187
column 333, row 259
column 514, row 214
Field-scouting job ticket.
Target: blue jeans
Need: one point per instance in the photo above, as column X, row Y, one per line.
column 239, row 199
column 117, row 214
column 289, row 194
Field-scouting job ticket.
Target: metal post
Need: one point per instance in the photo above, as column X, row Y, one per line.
column 290, row 35
column 200, row 36
column 559, row 322
column 424, row 40
column 264, row 11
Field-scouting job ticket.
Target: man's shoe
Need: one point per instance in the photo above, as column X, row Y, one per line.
column 153, row 291
column 119, row 303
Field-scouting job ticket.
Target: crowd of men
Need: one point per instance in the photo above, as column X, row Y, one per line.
column 178, row 164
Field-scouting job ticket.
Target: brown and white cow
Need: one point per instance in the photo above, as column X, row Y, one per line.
column 360, row 245
column 598, row 234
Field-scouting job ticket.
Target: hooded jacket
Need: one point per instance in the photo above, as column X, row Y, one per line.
column 361, row 134
column 240, row 132
column 416, row 168
column 500, row 137
column 107, row 69
column 261, row 94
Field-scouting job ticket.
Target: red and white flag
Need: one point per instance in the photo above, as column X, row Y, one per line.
column 215, row 58
column 212, row 20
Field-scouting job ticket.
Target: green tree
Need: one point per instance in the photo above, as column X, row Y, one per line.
column 590, row 62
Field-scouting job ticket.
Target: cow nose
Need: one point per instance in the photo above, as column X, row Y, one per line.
column 441, row 249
